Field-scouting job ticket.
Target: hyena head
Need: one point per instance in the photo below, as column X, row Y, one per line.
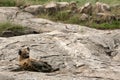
column 24, row 52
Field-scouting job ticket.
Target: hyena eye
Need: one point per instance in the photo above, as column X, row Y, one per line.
column 28, row 48
column 19, row 52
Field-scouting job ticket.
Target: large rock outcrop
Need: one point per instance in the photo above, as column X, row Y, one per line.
column 81, row 53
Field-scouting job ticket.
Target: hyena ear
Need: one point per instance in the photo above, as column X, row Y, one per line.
column 19, row 52
column 28, row 48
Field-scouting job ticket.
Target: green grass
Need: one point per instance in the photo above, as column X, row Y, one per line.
column 80, row 2
column 15, row 29
column 74, row 19
column 112, row 25
column 65, row 16
column 61, row 16
column 7, row 3
column 10, row 26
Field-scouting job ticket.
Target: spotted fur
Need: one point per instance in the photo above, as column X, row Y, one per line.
column 26, row 63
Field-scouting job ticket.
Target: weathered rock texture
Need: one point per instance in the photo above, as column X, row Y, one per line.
column 81, row 53
column 102, row 7
column 35, row 9
column 87, row 8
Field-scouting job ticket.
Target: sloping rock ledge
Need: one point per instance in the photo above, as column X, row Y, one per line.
column 81, row 53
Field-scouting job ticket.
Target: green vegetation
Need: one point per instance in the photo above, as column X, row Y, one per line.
column 64, row 15
column 80, row 2
column 7, row 3
column 14, row 29
column 112, row 25
column 10, row 26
